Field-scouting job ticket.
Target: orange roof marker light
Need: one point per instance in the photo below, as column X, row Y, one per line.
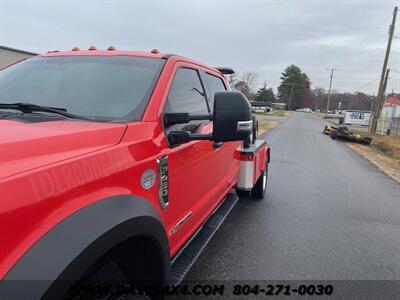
column 91, row 48
column 111, row 48
column 75, row 49
column 154, row 51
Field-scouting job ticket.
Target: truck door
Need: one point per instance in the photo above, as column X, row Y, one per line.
column 189, row 164
column 225, row 167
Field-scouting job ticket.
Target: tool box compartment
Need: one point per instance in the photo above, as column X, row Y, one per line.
column 252, row 163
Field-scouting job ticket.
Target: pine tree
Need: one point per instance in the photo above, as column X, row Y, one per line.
column 265, row 94
column 294, row 81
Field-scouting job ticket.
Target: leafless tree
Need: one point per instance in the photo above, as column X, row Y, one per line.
column 249, row 78
column 232, row 79
column 243, row 82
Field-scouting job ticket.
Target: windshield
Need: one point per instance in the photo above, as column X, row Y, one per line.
column 106, row 88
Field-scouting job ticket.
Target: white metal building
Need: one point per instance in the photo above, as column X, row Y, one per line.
column 10, row 55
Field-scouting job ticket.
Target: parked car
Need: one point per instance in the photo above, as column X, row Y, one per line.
column 306, row 110
column 117, row 166
column 261, row 106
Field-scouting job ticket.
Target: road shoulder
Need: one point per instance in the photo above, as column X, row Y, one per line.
column 386, row 164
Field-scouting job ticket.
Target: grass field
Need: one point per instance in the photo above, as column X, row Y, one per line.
column 384, row 152
column 265, row 125
column 279, row 113
column 275, row 113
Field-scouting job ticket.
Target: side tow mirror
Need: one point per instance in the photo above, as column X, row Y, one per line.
column 232, row 117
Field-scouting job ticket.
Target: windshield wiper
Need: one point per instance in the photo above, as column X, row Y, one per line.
column 29, row 108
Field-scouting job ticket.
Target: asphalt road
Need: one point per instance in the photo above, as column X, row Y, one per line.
column 328, row 214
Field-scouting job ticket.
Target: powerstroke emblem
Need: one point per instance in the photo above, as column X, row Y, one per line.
column 180, row 223
column 162, row 163
column 148, row 179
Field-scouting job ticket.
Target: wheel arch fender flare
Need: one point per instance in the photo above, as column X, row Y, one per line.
column 82, row 238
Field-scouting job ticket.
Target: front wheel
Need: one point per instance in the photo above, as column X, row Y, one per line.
column 260, row 187
column 254, row 133
column 102, row 281
column 254, row 130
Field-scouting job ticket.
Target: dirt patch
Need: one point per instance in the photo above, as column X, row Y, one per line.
column 265, row 125
column 384, row 152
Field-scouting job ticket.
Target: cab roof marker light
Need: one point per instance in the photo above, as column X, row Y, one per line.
column 92, row 48
column 75, row 49
column 111, row 48
column 154, row 51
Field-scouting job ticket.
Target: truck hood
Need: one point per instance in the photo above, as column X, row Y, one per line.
column 26, row 146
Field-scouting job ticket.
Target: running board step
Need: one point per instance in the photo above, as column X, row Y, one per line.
column 184, row 260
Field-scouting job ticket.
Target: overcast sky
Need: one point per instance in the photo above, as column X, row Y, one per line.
column 258, row 36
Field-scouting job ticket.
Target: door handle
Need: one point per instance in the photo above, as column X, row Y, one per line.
column 218, row 145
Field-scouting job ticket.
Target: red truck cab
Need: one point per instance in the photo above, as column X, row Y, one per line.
column 115, row 159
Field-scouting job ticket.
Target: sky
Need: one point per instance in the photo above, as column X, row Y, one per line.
column 249, row 36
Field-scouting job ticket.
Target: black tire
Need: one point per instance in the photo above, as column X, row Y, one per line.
column 242, row 193
column 260, row 187
column 107, row 275
column 247, row 142
column 255, row 129
column 254, row 133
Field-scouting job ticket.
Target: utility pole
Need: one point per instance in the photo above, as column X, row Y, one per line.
column 384, row 87
column 290, row 96
column 373, row 101
column 383, row 97
column 379, row 105
column 380, row 98
column 329, row 92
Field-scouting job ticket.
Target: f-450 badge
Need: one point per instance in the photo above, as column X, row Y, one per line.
column 162, row 163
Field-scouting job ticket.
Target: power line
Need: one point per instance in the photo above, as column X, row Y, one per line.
column 377, row 26
column 369, row 83
column 382, row 24
column 363, row 58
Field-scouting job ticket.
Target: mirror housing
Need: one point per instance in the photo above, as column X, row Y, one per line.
column 232, row 120
column 232, row 117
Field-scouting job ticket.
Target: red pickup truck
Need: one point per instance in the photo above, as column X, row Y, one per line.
column 116, row 165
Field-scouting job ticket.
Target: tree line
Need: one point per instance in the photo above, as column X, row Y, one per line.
column 295, row 90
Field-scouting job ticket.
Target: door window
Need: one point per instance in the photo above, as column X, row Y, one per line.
column 215, row 84
column 187, row 94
